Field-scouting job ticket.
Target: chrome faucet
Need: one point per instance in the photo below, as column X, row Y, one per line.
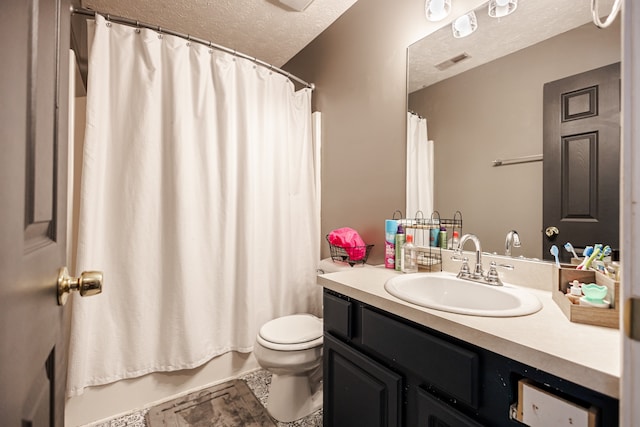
column 478, row 275
column 477, row 271
column 512, row 241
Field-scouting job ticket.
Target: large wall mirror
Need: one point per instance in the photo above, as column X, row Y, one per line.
column 482, row 97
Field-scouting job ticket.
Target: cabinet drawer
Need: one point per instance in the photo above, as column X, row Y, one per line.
column 338, row 315
column 445, row 366
column 434, row 412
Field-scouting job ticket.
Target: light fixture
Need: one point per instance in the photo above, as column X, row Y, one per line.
column 437, row 10
column 298, row 5
column 500, row 8
column 464, row 25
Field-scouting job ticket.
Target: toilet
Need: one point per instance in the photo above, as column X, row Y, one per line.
column 290, row 347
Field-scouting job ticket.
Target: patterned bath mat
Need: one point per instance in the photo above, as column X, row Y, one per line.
column 231, row 404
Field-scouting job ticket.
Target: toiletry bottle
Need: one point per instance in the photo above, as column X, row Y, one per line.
column 442, row 237
column 400, row 238
column 433, row 237
column 409, row 256
column 391, row 227
column 454, row 241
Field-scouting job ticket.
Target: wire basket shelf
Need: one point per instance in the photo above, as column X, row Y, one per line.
column 351, row 255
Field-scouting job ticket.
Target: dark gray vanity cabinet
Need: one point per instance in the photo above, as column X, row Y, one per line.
column 383, row 370
column 361, row 392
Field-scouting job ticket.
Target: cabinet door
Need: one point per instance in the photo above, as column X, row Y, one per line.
column 433, row 412
column 357, row 390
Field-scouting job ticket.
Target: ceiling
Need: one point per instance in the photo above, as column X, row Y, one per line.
column 264, row 29
column 533, row 21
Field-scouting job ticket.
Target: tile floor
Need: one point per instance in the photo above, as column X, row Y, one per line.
column 258, row 381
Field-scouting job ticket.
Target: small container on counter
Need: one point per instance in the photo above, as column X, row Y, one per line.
column 409, row 256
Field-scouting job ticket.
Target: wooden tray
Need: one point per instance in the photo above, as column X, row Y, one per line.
column 608, row 317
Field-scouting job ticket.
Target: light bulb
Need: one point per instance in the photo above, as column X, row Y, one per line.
column 437, row 6
column 462, row 24
column 465, row 25
column 500, row 8
column 437, row 10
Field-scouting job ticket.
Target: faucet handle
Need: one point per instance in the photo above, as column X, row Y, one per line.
column 465, row 271
column 457, row 256
column 493, row 278
column 505, row 266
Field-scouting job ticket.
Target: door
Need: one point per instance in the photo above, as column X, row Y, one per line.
column 630, row 377
column 34, row 40
column 357, row 390
column 581, row 167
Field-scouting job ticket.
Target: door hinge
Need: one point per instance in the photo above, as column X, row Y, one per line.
column 632, row 318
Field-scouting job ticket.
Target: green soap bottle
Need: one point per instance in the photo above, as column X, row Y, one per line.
column 442, row 238
column 400, row 239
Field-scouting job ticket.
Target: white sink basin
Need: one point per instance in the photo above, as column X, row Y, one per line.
column 444, row 291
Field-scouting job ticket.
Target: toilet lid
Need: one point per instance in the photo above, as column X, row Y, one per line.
column 293, row 329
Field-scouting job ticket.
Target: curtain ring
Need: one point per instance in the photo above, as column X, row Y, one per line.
column 610, row 18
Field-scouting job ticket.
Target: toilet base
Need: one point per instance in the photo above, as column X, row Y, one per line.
column 292, row 397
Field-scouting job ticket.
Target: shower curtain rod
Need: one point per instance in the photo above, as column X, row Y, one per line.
column 134, row 23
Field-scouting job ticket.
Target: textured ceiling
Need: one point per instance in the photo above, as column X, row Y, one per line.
column 532, row 22
column 264, row 29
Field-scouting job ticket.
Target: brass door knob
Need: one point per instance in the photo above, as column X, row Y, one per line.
column 89, row 283
column 551, row 231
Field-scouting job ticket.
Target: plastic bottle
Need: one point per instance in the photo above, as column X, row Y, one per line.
column 400, row 239
column 454, row 241
column 409, row 256
column 433, row 237
column 442, row 238
column 390, row 228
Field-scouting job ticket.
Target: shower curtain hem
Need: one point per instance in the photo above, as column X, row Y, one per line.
column 100, row 381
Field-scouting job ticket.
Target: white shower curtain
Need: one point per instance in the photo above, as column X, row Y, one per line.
column 419, row 167
column 198, row 203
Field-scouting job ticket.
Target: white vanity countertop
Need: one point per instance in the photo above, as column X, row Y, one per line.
column 547, row 340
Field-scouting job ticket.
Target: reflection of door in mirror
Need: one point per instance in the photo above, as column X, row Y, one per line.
column 581, row 166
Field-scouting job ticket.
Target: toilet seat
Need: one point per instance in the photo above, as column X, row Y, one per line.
column 291, row 333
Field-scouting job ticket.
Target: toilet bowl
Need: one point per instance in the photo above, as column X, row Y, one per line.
column 290, row 347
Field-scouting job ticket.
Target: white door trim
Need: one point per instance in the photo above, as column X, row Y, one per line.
column 629, row 199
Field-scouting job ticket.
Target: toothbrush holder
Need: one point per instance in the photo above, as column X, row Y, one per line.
column 608, row 317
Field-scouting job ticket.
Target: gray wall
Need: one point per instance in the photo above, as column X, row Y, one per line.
column 495, row 111
column 359, row 68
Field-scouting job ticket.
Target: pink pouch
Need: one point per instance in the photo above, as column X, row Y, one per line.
column 350, row 240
